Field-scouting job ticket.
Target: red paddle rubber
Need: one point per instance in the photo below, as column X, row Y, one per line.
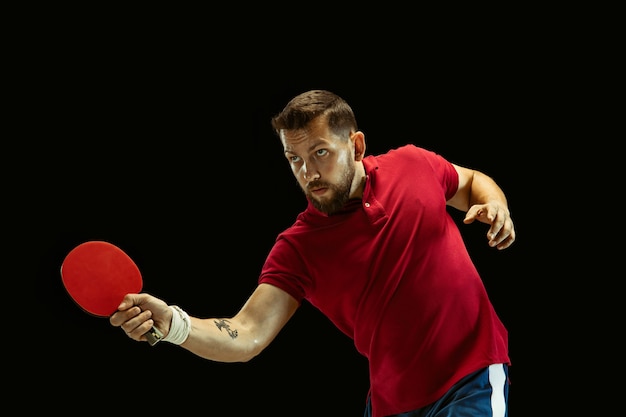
column 97, row 275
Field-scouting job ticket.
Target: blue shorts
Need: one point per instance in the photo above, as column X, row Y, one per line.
column 484, row 393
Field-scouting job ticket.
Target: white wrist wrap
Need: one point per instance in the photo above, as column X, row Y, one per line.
column 180, row 326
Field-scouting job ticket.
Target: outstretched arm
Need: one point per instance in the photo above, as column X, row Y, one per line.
column 236, row 339
column 251, row 330
column 482, row 199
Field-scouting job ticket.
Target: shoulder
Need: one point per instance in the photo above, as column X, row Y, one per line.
column 407, row 153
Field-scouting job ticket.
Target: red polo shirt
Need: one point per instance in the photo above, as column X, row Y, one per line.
column 391, row 271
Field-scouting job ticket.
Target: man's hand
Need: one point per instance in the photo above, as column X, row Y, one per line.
column 501, row 234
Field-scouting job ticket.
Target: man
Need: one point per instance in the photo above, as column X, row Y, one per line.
column 377, row 252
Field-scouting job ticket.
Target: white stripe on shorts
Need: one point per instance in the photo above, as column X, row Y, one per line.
column 497, row 379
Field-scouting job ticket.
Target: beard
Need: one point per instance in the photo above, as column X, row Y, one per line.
column 339, row 193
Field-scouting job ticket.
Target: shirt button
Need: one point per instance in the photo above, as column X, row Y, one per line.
column 367, row 204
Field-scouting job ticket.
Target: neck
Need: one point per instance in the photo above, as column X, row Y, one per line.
column 358, row 183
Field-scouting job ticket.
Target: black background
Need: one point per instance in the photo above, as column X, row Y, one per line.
column 167, row 151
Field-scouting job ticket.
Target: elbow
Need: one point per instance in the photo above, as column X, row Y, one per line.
column 253, row 350
column 247, row 358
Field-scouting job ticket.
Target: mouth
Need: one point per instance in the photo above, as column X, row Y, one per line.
column 318, row 191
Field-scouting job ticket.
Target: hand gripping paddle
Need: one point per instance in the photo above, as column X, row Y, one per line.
column 97, row 275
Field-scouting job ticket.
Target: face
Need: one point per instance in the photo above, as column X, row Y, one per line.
column 323, row 164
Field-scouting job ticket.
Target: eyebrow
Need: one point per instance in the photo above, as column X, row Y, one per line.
column 313, row 146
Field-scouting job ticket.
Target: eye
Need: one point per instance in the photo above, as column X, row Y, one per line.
column 321, row 152
column 293, row 159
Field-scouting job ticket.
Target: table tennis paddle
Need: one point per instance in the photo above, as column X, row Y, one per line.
column 97, row 275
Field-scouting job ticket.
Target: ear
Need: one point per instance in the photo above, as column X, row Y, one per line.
column 358, row 138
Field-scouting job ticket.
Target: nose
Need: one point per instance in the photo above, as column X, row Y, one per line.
column 310, row 173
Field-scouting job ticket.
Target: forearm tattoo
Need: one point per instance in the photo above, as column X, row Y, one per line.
column 223, row 324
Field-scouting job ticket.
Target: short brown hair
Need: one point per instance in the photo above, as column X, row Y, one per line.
column 305, row 107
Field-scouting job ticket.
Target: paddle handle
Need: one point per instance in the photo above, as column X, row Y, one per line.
column 154, row 336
